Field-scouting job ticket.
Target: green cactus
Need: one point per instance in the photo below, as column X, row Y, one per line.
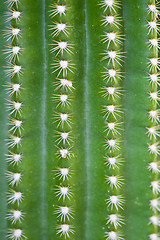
column 79, row 114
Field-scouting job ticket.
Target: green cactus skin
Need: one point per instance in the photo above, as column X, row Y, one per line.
column 136, row 104
column 39, row 147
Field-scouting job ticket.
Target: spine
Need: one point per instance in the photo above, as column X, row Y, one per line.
column 153, row 115
column 113, row 58
column 15, row 105
column 63, row 68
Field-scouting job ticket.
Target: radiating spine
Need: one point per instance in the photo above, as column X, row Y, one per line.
column 112, row 91
column 153, row 128
column 62, row 66
column 15, row 105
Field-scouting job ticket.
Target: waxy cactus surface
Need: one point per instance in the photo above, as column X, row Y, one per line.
column 79, row 120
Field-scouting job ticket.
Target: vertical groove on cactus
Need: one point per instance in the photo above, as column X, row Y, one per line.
column 80, row 130
column 86, row 114
column 137, row 105
column 44, row 127
column 83, row 145
column 96, row 186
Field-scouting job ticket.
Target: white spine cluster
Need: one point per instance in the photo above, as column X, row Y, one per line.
column 113, row 56
column 116, row 220
column 13, row 178
column 63, row 192
column 63, row 173
column 63, row 68
column 16, row 234
column 64, row 213
column 65, row 230
column 113, row 235
column 15, row 216
column 14, row 157
column 57, row 9
column 14, row 196
column 153, row 129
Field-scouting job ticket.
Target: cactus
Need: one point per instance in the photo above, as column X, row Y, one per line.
column 79, row 120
